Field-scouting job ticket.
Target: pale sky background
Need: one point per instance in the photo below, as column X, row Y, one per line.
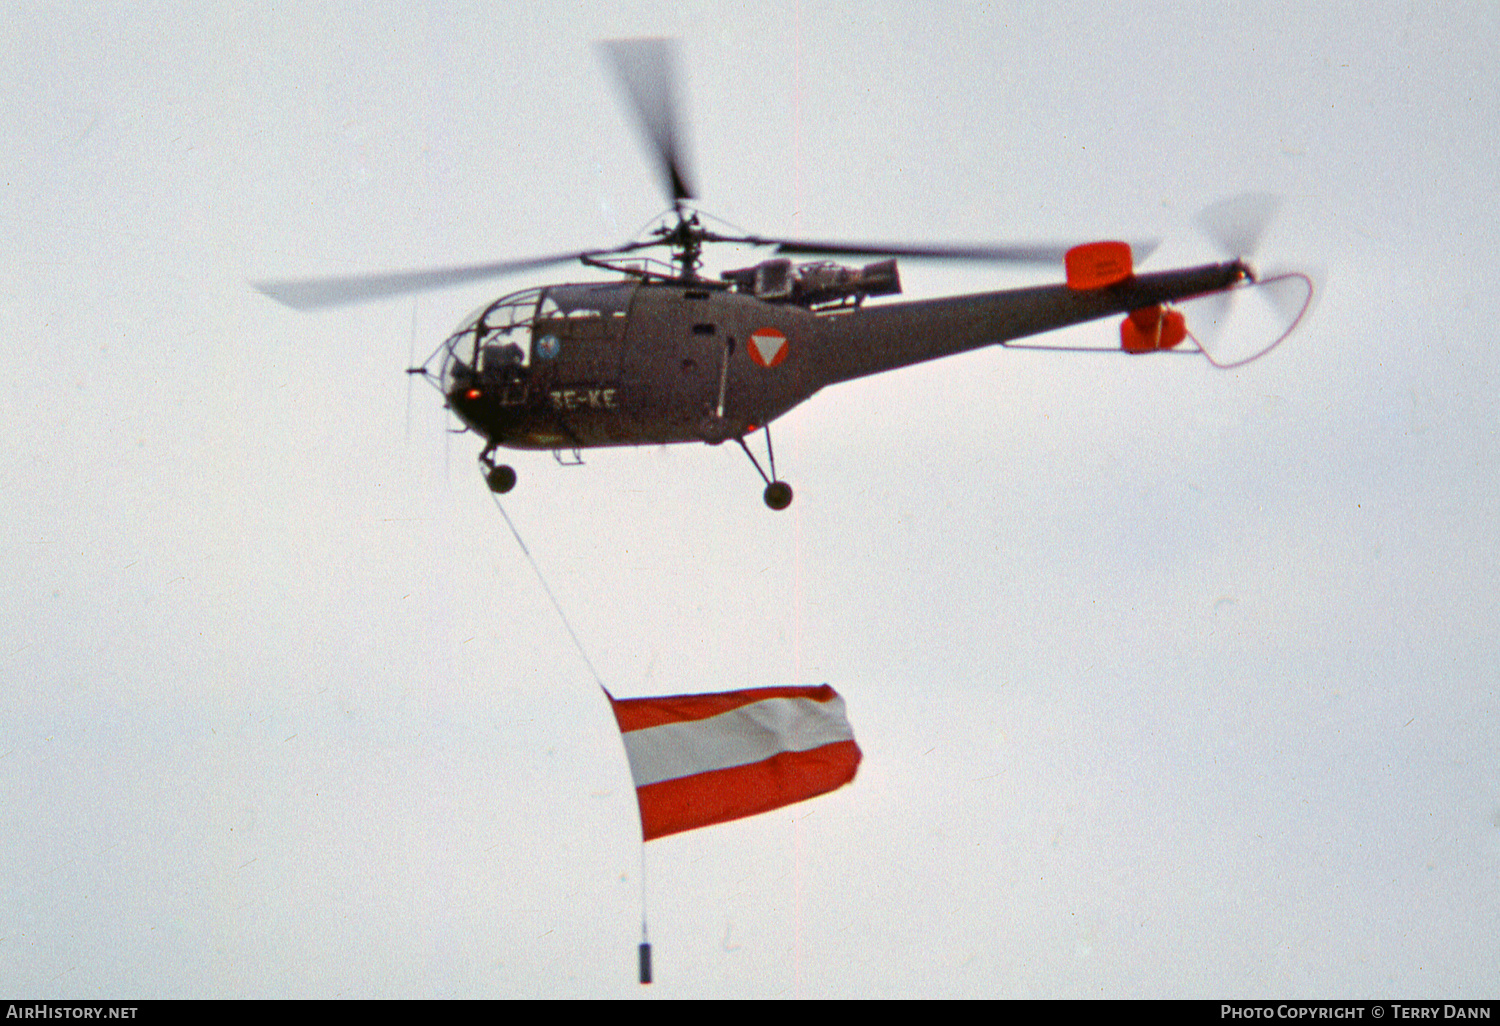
column 1170, row 681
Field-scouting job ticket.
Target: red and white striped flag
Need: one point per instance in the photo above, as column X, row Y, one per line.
column 704, row 759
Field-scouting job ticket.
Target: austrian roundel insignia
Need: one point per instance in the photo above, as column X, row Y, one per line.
column 768, row 347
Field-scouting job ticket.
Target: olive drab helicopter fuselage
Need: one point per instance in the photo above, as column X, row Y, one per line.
column 662, row 354
column 649, row 362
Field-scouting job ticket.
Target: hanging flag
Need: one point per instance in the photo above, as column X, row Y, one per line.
column 704, row 759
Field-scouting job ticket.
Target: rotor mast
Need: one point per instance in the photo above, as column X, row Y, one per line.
column 686, row 239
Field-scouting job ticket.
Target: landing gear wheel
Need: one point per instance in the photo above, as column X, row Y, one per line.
column 502, row 479
column 778, row 495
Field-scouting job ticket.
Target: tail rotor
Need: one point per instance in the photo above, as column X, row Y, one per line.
column 1229, row 331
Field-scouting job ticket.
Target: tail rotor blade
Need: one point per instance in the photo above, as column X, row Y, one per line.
column 1243, row 323
column 1236, row 224
column 1209, row 315
column 1293, row 293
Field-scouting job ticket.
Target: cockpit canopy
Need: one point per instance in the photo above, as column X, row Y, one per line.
column 513, row 333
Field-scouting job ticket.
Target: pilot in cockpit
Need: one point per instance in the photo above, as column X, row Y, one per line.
column 502, row 361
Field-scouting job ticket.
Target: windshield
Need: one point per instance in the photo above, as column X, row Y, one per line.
column 494, row 336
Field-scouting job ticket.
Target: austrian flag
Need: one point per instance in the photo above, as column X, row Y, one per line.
column 704, row 759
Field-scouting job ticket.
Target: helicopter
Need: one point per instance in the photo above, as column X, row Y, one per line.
column 661, row 354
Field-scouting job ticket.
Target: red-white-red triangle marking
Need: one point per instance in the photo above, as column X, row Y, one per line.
column 768, row 347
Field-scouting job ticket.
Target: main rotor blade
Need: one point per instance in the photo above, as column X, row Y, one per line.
column 1016, row 253
column 1042, row 253
column 318, row 293
column 647, row 71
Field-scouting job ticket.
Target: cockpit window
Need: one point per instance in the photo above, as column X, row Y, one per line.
column 493, row 340
column 605, row 299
